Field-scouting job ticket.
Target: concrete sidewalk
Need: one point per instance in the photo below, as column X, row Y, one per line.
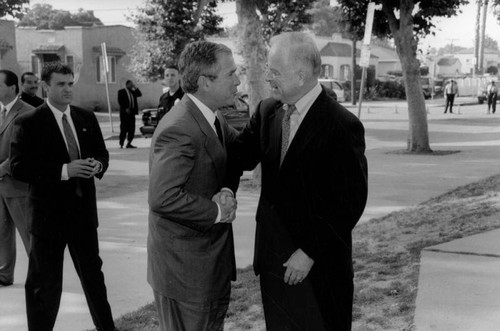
column 459, row 287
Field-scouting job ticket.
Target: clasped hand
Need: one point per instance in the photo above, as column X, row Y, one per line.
column 83, row 168
column 228, row 205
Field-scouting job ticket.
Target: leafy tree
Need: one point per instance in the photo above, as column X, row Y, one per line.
column 492, row 70
column 407, row 21
column 14, row 8
column 450, row 49
column 490, row 43
column 44, row 16
column 165, row 27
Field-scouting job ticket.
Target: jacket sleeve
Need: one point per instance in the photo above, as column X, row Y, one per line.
column 171, row 162
column 99, row 151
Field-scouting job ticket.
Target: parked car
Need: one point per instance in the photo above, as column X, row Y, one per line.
column 482, row 94
column 438, row 86
column 237, row 116
column 335, row 86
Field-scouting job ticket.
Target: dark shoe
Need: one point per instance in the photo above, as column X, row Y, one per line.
column 131, row 146
column 5, row 284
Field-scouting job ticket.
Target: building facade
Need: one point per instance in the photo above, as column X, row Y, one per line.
column 80, row 48
column 8, row 54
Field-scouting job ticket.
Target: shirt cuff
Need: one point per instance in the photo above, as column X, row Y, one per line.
column 64, row 172
column 219, row 214
column 100, row 166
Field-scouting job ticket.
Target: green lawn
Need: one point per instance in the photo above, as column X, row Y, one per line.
column 386, row 261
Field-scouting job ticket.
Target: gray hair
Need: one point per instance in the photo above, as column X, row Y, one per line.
column 199, row 58
column 299, row 48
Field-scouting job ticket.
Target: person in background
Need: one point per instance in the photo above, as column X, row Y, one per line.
column 29, row 87
column 492, row 91
column 14, row 200
column 450, row 91
column 59, row 149
column 174, row 93
column 127, row 99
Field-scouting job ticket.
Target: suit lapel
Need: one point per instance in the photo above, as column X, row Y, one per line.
column 54, row 132
column 14, row 111
column 214, row 149
column 80, row 128
column 311, row 125
column 276, row 118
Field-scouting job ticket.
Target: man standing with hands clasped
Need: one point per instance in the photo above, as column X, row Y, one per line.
column 314, row 190
column 59, row 149
column 191, row 258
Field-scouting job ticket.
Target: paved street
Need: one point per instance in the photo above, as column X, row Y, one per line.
column 396, row 181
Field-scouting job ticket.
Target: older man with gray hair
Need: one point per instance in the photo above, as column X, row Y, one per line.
column 314, row 190
column 191, row 258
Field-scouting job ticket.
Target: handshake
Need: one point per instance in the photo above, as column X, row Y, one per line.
column 228, row 205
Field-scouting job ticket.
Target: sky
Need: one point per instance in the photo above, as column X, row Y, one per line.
column 458, row 30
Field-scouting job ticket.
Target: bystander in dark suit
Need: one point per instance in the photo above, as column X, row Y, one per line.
column 29, row 89
column 127, row 99
column 59, row 149
column 174, row 93
column 14, row 201
column 314, row 190
column 191, row 258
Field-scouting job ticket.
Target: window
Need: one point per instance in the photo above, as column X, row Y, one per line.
column 326, row 71
column 70, row 62
column 35, row 65
column 100, row 69
column 345, row 72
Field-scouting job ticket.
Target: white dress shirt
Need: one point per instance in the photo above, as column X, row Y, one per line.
column 59, row 115
column 210, row 117
column 303, row 106
column 8, row 106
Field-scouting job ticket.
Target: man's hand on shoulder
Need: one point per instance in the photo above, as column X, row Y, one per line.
column 228, row 204
column 297, row 267
column 83, row 168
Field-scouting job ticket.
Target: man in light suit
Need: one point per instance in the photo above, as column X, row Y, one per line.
column 191, row 258
column 314, row 189
column 59, row 150
column 14, row 202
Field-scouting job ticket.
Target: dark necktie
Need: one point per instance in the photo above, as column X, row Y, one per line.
column 285, row 130
column 219, row 131
column 131, row 99
column 74, row 153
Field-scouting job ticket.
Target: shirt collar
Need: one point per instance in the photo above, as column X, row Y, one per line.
column 207, row 112
column 307, row 100
column 8, row 106
column 57, row 113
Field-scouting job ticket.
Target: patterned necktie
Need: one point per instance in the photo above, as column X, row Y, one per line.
column 3, row 114
column 73, row 151
column 218, row 130
column 285, row 130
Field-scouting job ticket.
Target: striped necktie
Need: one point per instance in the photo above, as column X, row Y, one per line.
column 285, row 130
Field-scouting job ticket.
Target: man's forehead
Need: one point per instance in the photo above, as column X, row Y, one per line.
column 56, row 77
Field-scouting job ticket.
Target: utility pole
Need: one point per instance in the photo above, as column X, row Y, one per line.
column 451, row 44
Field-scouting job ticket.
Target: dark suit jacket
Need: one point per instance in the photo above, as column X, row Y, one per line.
column 313, row 200
column 189, row 257
column 124, row 101
column 38, row 152
column 9, row 186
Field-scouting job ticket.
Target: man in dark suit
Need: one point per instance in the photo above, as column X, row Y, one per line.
column 191, row 258
column 59, row 149
column 314, row 190
column 127, row 99
column 14, row 202
column 29, row 87
column 174, row 93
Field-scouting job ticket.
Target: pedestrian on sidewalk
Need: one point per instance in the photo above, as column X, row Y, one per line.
column 58, row 149
column 450, row 91
column 492, row 97
column 14, row 200
column 127, row 99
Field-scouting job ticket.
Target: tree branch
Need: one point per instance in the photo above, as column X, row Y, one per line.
column 391, row 18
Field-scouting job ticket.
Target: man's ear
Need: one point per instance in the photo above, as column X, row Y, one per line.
column 203, row 83
column 45, row 86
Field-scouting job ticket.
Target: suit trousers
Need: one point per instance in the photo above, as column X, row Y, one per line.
column 14, row 212
column 175, row 315
column 492, row 102
column 450, row 98
column 127, row 127
column 289, row 307
column 45, row 278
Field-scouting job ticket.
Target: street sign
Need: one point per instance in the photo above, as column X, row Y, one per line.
column 364, row 61
column 370, row 13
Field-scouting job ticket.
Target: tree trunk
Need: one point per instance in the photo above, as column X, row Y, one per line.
column 353, row 70
column 406, row 46
column 251, row 43
column 481, row 38
column 253, row 48
column 476, row 36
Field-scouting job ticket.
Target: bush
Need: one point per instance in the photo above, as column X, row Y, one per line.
column 389, row 89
